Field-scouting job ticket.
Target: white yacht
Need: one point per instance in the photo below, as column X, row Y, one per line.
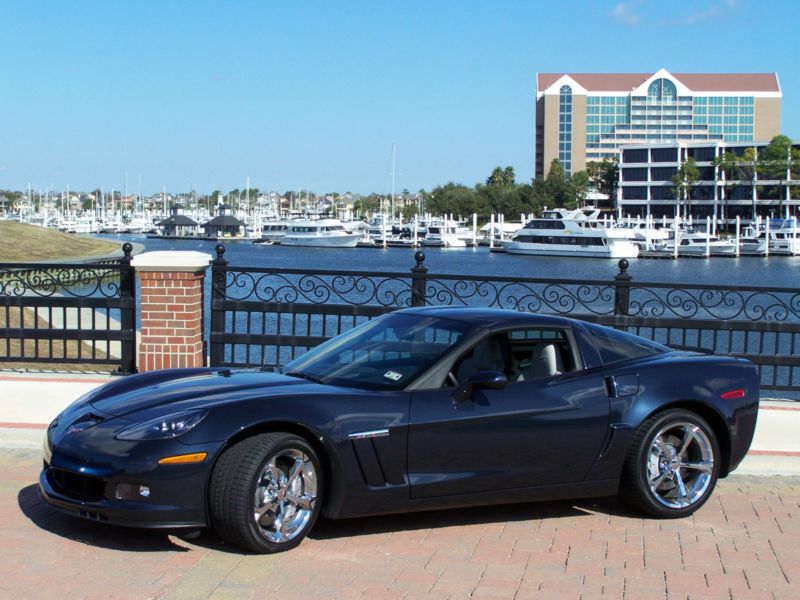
column 324, row 233
column 567, row 233
column 782, row 241
column 700, row 244
column 443, row 236
column 273, row 231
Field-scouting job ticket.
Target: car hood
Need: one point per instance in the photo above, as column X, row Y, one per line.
column 182, row 387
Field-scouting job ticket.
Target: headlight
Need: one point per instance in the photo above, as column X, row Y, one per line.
column 162, row 428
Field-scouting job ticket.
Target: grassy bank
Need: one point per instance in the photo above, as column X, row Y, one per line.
column 21, row 243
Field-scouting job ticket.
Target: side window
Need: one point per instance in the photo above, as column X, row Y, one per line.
column 540, row 353
column 521, row 354
column 615, row 346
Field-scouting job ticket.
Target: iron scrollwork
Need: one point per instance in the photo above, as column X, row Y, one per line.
column 704, row 303
column 45, row 281
column 530, row 296
column 334, row 288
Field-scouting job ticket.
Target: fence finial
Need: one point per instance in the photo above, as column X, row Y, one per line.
column 419, row 256
column 127, row 248
column 623, row 268
column 220, row 250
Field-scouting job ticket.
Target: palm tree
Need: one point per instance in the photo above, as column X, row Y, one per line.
column 727, row 163
column 683, row 180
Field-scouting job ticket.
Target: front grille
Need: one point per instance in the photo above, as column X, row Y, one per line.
column 83, row 487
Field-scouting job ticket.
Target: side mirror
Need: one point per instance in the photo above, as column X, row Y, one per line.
column 488, row 380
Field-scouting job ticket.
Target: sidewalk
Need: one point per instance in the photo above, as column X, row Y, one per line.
column 29, row 401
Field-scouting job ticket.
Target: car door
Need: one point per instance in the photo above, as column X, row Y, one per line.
column 539, row 430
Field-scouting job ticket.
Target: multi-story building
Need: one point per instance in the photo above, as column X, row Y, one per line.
column 583, row 117
column 646, row 186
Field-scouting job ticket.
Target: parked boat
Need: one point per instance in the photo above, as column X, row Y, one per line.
column 324, row 233
column 273, row 231
column 443, row 236
column 700, row 244
column 559, row 233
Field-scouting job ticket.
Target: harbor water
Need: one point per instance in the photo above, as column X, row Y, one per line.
column 773, row 271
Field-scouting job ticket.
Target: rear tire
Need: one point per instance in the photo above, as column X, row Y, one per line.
column 672, row 465
column 266, row 492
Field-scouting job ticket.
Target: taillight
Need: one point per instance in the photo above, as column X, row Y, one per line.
column 733, row 394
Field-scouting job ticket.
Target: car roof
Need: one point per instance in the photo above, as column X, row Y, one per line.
column 491, row 317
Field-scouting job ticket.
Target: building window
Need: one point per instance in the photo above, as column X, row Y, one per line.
column 661, row 155
column 634, row 174
column 662, row 90
column 634, row 156
column 565, row 128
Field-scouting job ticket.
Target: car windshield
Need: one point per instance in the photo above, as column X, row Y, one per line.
column 386, row 353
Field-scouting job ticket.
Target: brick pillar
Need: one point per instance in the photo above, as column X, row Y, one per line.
column 171, row 309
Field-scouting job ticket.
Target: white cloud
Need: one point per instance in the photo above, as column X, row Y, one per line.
column 624, row 13
column 709, row 14
column 712, row 13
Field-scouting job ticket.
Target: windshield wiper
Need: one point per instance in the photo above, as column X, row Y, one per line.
column 306, row 376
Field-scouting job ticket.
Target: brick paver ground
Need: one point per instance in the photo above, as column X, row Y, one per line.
column 745, row 543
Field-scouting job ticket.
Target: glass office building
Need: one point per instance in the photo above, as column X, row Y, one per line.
column 582, row 117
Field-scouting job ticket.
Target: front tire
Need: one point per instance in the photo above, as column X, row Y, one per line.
column 266, row 492
column 672, row 465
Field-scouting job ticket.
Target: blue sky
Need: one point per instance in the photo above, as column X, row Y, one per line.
column 312, row 95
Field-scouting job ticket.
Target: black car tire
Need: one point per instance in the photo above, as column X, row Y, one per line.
column 656, row 479
column 256, row 474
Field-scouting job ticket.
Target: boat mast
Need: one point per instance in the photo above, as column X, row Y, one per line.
column 394, row 153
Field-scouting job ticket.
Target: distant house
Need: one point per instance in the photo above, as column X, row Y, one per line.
column 224, row 224
column 178, row 224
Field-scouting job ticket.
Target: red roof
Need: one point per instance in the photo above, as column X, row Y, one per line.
column 698, row 82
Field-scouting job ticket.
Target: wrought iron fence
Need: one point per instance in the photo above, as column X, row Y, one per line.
column 267, row 316
column 71, row 313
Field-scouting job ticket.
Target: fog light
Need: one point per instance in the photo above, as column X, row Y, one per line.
column 131, row 491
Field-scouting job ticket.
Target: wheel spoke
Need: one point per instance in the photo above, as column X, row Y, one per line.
column 688, row 435
column 297, row 468
column 706, row 466
column 262, row 510
column 274, row 472
column 284, row 523
column 660, row 446
column 683, row 495
column 302, row 502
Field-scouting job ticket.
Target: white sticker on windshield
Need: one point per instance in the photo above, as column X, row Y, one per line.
column 393, row 375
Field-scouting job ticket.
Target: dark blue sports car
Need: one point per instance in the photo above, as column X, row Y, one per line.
column 419, row 409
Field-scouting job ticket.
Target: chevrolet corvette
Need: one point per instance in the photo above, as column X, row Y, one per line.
column 423, row 408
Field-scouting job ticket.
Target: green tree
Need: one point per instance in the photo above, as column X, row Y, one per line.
column 501, row 177
column 747, row 168
column 557, row 185
column 604, row 178
column 777, row 161
column 509, row 177
column 579, row 182
column 455, row 199
column 683, row 180
column 408, row 211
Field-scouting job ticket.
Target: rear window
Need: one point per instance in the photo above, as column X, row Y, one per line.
column 615, row 346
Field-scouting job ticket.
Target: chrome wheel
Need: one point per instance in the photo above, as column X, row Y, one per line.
column 680, row 465
column 285, row 494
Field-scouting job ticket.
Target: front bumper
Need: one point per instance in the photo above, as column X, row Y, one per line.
column 125, row 485
column 114, row 511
